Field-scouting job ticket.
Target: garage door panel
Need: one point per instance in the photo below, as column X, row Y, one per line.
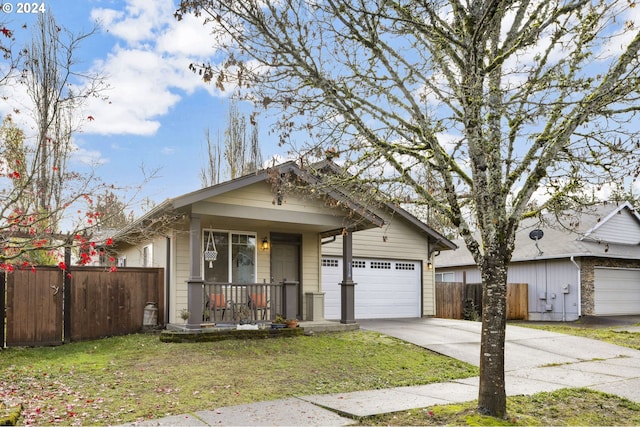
column 616, row 291
column 384, row 288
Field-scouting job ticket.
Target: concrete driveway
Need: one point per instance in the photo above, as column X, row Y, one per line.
column 524, row 347
column 543, row 359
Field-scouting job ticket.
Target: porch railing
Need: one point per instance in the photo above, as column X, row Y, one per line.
column 242, row 302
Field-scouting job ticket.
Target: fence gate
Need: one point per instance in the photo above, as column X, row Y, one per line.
column 33, row 307
column 51, row 307
column 456, row 300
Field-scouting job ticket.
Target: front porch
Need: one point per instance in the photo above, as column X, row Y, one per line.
column 244, row 301
column 249, row 303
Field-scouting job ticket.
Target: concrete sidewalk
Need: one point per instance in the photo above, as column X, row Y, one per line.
column 536, row 361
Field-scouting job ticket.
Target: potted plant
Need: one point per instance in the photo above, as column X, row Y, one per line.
column 184, row 314
column 279, row 322
column 292, row 323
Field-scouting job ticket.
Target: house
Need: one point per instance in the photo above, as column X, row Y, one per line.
column 283, row 241
column 578, row 264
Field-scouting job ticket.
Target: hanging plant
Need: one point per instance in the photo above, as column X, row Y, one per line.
column 210, row 251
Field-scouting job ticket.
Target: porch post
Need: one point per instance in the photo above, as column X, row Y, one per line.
column 195, row 282
column 347, row 287
column 290, row 298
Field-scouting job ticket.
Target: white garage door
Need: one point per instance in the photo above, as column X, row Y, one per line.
column 384, row 288
column 617, row 291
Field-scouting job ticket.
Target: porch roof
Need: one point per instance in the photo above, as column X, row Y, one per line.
column 366, row 218
column 363, row 217
column 364, row 214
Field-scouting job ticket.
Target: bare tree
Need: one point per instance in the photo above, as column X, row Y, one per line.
column 254, row 158
column 242, row 155
column 497, row 99
column 44, row 204
column 57, row 91
column 235, row 141
column 210, row 172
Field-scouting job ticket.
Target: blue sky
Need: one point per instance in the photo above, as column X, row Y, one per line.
column 157, row 110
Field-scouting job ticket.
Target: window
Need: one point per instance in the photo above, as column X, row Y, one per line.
column 236, row 257
column 359, row 264
column 445, row 277
column 147, row 256
column 405, row 266
column 381, row 265
column 329, row 262
column 243, row 258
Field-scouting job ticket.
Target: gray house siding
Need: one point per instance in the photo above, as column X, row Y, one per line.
column 546, row 280
column 620, row 227
column 549, row 296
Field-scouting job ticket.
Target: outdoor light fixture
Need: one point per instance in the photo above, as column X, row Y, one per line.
column 429, row 266
column 265, row 244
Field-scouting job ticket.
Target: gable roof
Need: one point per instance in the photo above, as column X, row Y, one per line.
column 621, row 225
column 438, row 241
column 263, row 175
column 310, row 176
column 606, row 230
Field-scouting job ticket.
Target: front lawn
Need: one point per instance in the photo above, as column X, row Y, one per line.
column 137, row 377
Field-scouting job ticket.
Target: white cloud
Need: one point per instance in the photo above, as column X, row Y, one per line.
column 187, row 37
column 141, row 20
column 139, row 93
column 88, row 157
column 148, row 68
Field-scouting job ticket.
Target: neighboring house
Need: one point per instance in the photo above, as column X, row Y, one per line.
column 264, row 236
column 581, row 264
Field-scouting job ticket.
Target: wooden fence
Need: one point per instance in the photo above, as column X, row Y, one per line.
column 51, row 307
column 456, row 300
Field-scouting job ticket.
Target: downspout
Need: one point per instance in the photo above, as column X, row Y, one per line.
column 432, row 252
column 579, row 287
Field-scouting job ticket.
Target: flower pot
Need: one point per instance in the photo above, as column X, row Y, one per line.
column 292, row 323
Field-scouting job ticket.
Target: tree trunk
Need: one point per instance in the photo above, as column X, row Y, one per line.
column 492, row 398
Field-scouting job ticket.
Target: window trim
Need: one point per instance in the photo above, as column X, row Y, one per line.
column 230, row 234
column 147, row 261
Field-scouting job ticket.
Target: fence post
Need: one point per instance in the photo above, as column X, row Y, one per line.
column 66, row 297
column 3, row 308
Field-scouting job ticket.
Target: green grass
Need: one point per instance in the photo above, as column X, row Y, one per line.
column 566, row 407
column 610, row 335
column 137, row 377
